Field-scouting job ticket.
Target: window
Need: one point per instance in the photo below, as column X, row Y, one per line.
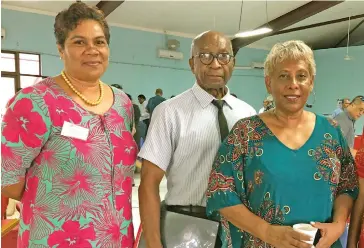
column 25, row 68
column 18, row 70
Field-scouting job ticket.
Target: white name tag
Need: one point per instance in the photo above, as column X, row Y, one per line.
column 74, row 131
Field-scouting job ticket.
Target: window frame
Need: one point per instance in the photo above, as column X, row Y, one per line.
column 17, row 73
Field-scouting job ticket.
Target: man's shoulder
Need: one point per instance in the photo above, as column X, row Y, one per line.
column 180, row 101
column 243, row 106
column 341, row 116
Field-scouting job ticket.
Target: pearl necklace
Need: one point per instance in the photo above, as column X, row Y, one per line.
column 92, row 103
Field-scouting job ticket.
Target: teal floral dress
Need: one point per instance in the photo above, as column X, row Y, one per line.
column 77, row 190
column 278, row 184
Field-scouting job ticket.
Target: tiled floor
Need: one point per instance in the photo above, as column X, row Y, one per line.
column 135, row 201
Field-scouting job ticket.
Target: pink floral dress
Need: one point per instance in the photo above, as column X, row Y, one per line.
column 78, row 192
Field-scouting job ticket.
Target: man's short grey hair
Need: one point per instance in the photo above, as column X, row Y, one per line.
column 294, row 50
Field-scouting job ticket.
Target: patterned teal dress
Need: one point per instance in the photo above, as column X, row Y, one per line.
column 278, row 184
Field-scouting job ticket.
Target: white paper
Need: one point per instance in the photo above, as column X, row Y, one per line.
column 74, row 131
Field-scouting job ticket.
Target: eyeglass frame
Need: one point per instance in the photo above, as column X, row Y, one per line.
column 214, row 56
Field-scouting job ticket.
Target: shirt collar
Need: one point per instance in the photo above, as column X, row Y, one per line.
column 348, row 115
column 204, row 98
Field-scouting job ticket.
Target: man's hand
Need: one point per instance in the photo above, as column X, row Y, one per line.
column 330, row 233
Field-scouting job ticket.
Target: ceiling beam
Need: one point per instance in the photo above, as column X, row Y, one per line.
column 315, row 25
column 108, row 6
column 350, row 32
column 286, row 20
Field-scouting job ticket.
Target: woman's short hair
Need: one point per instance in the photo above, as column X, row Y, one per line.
column 68, row 19
column 293, row 49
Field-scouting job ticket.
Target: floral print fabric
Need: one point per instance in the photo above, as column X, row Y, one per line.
column 77, row 193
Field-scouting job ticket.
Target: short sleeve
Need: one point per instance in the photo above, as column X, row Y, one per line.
column 24, row 130
column 359, row 160
column 226, row 182
column 348, row 182
column 345, row 129
column 159, row 143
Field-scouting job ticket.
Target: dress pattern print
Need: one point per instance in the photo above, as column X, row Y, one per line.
column 278, row 184
column 77, row 192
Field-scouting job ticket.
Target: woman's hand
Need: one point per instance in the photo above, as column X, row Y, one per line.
column 330, row 233
column 286, row 237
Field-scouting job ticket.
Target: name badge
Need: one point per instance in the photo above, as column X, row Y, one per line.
column 74, row 131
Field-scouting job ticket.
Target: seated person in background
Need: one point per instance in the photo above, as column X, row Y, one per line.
column 356, row 229
column 283, row 167
column 347, row 118
column 344, row 103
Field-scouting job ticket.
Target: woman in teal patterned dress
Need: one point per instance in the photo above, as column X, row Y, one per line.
column 283, row 167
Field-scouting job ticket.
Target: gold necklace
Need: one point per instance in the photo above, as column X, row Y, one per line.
column 92, row 103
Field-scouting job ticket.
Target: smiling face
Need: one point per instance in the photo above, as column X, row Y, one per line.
column 290, row 84
column 209, row 72
column 85, row 52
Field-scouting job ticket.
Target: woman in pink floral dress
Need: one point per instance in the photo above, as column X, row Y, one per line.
column 67, row 149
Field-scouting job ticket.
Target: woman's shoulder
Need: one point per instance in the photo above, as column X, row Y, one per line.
column 327, row 124
column 328, row 120
column 253, row 120
column 38, row 89
column 118, row 93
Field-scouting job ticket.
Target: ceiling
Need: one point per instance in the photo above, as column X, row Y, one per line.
column 189, row 18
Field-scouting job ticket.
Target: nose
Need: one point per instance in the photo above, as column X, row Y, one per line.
column 215, row 64
column 91, row 49
column 293, row 83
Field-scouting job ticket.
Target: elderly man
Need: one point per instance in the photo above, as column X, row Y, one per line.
column 347, row 119
column 185, row 134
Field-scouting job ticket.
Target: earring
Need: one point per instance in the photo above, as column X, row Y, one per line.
column 314, row 100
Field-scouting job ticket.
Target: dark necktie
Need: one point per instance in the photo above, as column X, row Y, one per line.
column 224, row 130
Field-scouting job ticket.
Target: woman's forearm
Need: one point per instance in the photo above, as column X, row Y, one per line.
column 356, row 219
column 241, row 217
column 356, row 222
column 342, row 208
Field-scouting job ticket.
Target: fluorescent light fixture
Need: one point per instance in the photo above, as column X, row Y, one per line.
column 254, row 32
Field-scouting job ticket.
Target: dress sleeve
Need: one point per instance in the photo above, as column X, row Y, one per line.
column 24, row 130
column 348, row 182
column 359, row 160
column 226, row 182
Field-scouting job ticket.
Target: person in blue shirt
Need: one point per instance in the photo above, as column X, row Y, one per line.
column 344, row 103
column 155, row 101
column 283, row 167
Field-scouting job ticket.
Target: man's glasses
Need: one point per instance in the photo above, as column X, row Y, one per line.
column 207, row 58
